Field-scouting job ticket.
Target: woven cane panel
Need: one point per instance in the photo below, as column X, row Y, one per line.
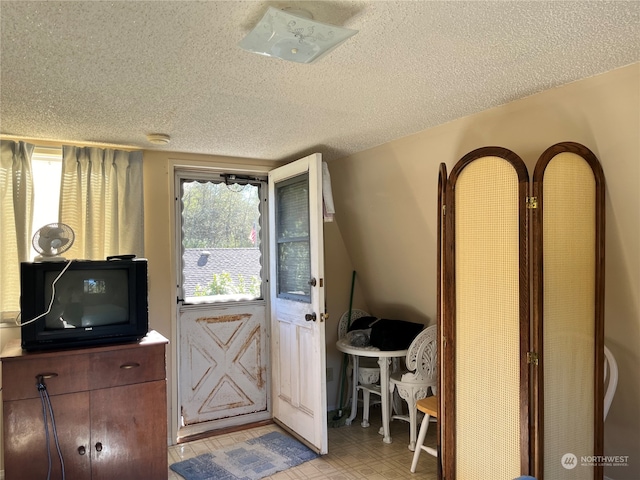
column 569, row 312
column 487, row 321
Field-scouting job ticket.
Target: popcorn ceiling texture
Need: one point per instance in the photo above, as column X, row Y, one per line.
column 111, row 72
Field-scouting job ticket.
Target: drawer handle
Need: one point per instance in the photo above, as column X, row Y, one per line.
column 82, row 450
column 46, row 376
column 98, row 447
column 129, row 366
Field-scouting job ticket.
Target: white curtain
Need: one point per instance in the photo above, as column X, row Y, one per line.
column 16, row 216
column 101, row 199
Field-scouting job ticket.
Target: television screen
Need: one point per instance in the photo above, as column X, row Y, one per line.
column 87, row 298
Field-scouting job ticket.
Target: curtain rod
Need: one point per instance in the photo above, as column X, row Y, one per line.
column 46, row 142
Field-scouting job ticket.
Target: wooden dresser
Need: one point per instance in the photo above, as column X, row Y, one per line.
column 109, row 405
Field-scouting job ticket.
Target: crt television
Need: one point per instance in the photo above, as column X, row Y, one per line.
column 86, row 302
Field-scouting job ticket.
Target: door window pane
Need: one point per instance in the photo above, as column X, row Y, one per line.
column 221, row 241
column 292, row 234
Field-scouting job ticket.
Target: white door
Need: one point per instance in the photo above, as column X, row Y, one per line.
column 297, row 300
column 223, row 315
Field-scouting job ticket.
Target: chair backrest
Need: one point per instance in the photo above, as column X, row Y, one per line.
column 343, row 324
column 422, row 356
column 610, row 379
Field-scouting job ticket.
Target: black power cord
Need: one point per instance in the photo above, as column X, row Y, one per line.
column 46, row 406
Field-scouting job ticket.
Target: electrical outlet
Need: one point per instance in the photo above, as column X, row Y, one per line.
column 329, row 374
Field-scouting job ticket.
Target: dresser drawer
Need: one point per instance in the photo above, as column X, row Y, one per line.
column 62, row 374
column 127, row 366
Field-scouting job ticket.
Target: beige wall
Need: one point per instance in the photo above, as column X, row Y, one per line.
column 386, row 213
column 338, row 273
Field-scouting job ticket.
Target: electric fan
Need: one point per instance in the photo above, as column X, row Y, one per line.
column 52, row 240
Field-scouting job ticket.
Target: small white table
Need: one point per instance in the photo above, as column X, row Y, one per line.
column 384, row 360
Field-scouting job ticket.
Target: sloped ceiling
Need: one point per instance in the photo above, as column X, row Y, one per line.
column 112, row 72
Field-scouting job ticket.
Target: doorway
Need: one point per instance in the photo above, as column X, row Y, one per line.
column 259, row 314
column 222, row 306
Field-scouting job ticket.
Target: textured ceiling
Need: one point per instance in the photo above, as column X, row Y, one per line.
column 112, row 72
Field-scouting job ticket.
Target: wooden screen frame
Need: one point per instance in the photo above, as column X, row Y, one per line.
column 538, row 302
column 443, row 183
column 448, row 396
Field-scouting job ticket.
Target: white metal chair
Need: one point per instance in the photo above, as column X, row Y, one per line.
column 421, row 379
column 345, row 322
column 368, row 383
column 610, row 379
column 367, row 369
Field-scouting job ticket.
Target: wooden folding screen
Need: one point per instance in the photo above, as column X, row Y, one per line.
column 507, row 385
column 440, row 298
column 568, row 300
column 486, row 326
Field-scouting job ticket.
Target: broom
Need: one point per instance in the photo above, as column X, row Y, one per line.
column 345, row 360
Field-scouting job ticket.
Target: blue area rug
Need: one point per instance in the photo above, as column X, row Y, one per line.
column 251, row 460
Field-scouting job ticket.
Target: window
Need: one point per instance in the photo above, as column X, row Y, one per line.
column 292, row 236
column 46, row 169
column 221, row 241
column 46, row 166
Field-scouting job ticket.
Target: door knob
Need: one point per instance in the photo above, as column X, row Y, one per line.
column 98, row 447
column 310, row 317
column 82, row 450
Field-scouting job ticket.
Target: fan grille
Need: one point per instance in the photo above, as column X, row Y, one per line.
column 53, row 239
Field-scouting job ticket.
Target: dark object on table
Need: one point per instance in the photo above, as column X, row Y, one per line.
column 362, row 323
column 394, row 334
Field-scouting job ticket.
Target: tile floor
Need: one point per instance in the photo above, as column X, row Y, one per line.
column 354, row 453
